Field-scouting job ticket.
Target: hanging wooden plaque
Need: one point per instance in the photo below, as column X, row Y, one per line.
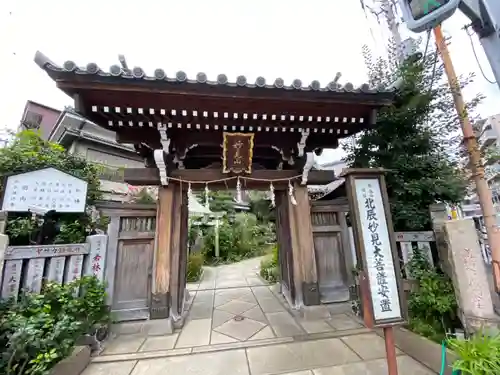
column 237, row 153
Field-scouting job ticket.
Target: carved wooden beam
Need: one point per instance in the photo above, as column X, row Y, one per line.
column 151, row 176
column 160, row 154
column 307, row 167
column 302, row 143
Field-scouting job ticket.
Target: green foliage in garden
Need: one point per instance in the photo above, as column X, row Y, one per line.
column 415, row 139
column 239, row 239
column 260, row 206
column 28, row 152
column 269, row 266
column 479, row 355
column 39, row 330
column 219, row 201
column 194, row 267
column 432, row 305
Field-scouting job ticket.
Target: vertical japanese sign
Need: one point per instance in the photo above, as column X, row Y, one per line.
column 95, row 263
column 237, row 153
column 377, row 256
column 11, row 278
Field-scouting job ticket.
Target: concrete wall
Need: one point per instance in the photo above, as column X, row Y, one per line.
column 104, row 154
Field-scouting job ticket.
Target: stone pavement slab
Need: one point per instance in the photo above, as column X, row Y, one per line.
column 220, row 317
column 284, row 325
column 264, row 333
column 124, row 344
column 269, row 340
column 241, row 330
column 343, row 322
column 255, row 313
column 316, row 326
column 232, row 362
column 406, row 366
column 220, row 338
column 116, row 368
column 159, row 343
column 299, row 356
column 368, row 346
column 195, row 333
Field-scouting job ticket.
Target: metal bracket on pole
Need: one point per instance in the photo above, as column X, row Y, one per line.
column 485, row 17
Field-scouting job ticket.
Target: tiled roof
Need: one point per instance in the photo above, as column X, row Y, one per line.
column 159, row 75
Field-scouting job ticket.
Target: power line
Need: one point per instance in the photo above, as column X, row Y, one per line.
column 466, row 28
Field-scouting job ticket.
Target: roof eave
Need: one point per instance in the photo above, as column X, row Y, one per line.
column 71, row 73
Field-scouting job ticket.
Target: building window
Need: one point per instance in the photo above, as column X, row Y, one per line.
column 32, row 120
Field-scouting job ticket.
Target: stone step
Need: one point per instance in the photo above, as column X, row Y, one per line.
column 153, row 354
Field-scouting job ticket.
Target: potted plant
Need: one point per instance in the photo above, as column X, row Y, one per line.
column 478, row 355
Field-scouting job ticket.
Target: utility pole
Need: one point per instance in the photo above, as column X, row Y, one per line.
column 405, row 48
column 483, row 191
column 393, row 25
column 485, row 17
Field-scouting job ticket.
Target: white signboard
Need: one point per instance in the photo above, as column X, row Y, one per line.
column 44, row 190
column 378, row 253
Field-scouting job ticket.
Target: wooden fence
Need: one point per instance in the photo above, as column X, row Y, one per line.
column 26, row 267
column 424, row 241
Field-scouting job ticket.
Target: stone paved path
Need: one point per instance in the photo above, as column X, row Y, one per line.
column 237, row 324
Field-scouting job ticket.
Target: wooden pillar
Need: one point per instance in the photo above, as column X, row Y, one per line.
column 160, row 306
column 303, row 246
column 285, row 249
column 179, row 251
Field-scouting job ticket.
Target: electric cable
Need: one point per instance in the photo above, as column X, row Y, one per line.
column 475, row 56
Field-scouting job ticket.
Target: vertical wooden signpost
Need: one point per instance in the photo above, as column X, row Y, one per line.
column 381, row 286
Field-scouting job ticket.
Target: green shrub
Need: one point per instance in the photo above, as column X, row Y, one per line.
column 39, row 330
column 29, row 152
column 239, row 239
column 269, row 266
column 194, row 267
column 479, row 355
column 432, row 305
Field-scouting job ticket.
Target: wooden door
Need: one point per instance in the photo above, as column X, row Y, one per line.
column 330, row 247
column 133, row 279
column 284, row 246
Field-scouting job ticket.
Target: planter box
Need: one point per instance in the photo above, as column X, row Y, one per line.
column 75, row 363
column 423, row 350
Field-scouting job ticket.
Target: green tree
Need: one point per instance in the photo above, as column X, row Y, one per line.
column 415, row 139
column 28, row 152
column 260, row 206
column 219, row 201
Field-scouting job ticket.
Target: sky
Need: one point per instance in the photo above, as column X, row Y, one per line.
column 309, row 40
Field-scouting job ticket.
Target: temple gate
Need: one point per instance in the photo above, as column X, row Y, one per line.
column 201, row 134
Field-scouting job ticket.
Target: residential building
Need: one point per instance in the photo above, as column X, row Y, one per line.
column 39, row 117
column 488, row 135
column 84, row 138
column 98, row 145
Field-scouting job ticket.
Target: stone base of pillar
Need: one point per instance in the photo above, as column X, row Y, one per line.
column 310, row 292
column 157, row 327
column 159, row 308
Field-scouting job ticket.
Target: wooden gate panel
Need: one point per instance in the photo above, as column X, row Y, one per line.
column 285, row 255
column 129, row 262
column 330, row 249
column 133, row 276
column 180, row 253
